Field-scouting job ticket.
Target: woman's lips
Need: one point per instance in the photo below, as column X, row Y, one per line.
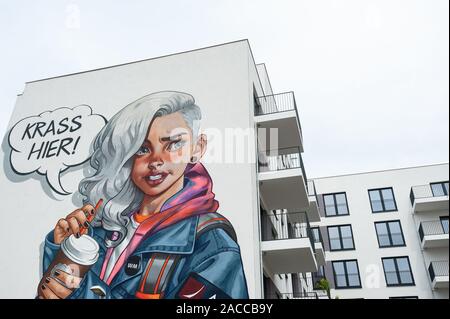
column 156, row 178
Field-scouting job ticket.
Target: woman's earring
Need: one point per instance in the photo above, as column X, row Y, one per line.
column 193, row 159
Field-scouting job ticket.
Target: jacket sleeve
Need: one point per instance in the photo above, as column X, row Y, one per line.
column 89, row 280
column 216, row 263
column 50, row 251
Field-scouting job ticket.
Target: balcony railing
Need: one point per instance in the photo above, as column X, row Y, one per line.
column 276, row 103
column 311, row 187
column 423, row 191
column 438, row 269
column 281, row 159
column 318, row 237
column 302, row 295
column 279, row 226
column 429, row 228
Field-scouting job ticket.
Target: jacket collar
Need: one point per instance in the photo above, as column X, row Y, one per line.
column 178, row 238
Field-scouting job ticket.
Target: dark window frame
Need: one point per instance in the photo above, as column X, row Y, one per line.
column 398, row 272
column 443, row 188
column 335, row 204
column 389, row 233
column 382, row 200
column 340, row 237
column 404, row 297
column 441, row 218
column 346, row 274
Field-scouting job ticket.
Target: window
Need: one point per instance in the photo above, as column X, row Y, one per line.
column 389, row 234
column 397, row 271
column 346, row 274
column 439, row 189
column 444, row 223
column 382, row 200
column 335, row 204
column 341, row 237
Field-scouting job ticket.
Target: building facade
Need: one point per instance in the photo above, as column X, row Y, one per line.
column 386, row 233
column 253, row 158
column 295, row 235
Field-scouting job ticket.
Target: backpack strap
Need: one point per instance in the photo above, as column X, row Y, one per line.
column 154, row 281
column 210, row 221
column 160, row 266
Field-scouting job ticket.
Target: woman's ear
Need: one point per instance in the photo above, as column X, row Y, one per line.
column 199, row 148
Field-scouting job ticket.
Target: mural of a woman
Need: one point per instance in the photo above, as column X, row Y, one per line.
column 159, row 232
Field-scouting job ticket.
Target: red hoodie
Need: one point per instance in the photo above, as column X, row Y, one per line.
column 195, row 198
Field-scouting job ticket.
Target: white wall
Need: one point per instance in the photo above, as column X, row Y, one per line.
column 265, row 80
column 362, row 220
column 218, row 77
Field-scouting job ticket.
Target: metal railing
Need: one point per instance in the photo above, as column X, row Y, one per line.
column 434, row 227
column 280, row 159
column 438, row 269
column 290, row 295
column 311, row 187
column 422, row 191
column 279, row 226
column 317, row 235
column 277, row 103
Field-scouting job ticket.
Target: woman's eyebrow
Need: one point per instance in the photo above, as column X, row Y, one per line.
column 171, row 138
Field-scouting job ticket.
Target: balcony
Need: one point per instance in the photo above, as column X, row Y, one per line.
column 287, row 243
column 425, row 198
column 313, row 209
column 438, row 271
column 282, row 180
column 319, row 247
column 279, row 112
column 433, row 234
column 300, row 295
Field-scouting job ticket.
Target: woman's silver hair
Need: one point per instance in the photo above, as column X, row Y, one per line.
column 114, row 150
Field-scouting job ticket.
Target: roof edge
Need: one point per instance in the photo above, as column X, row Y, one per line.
column 380, row 171
column 137, row 61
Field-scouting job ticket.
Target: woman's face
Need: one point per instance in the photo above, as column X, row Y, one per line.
column 164, row 155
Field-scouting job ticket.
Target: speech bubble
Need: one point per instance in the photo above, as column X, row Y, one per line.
column 54, row 141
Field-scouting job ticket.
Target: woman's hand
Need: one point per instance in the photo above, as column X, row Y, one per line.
column 73, row 223
column 58, row 287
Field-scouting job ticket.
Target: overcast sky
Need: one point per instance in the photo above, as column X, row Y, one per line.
column 371, row 77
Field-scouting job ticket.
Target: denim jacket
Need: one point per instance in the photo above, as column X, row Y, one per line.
column 214, row 256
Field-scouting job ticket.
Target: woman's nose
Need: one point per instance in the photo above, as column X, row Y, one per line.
column 155, row 162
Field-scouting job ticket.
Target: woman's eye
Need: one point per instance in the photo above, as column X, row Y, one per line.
column 176, row 145
column 142, row 150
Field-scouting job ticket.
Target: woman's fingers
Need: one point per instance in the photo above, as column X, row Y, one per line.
column 79, row 215
column 89, row 211
column 47, row 293
column 57, row 288
column 63, row 225
column 62, row 230
column 75, row 223
column 70, row 281
column 74, row 226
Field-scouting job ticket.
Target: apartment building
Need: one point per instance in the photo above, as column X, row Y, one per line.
column 385, row 233
column 372, row 235
column 287, row 201
column 265, row 194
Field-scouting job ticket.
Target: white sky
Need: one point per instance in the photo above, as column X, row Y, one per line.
column 371, row 77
